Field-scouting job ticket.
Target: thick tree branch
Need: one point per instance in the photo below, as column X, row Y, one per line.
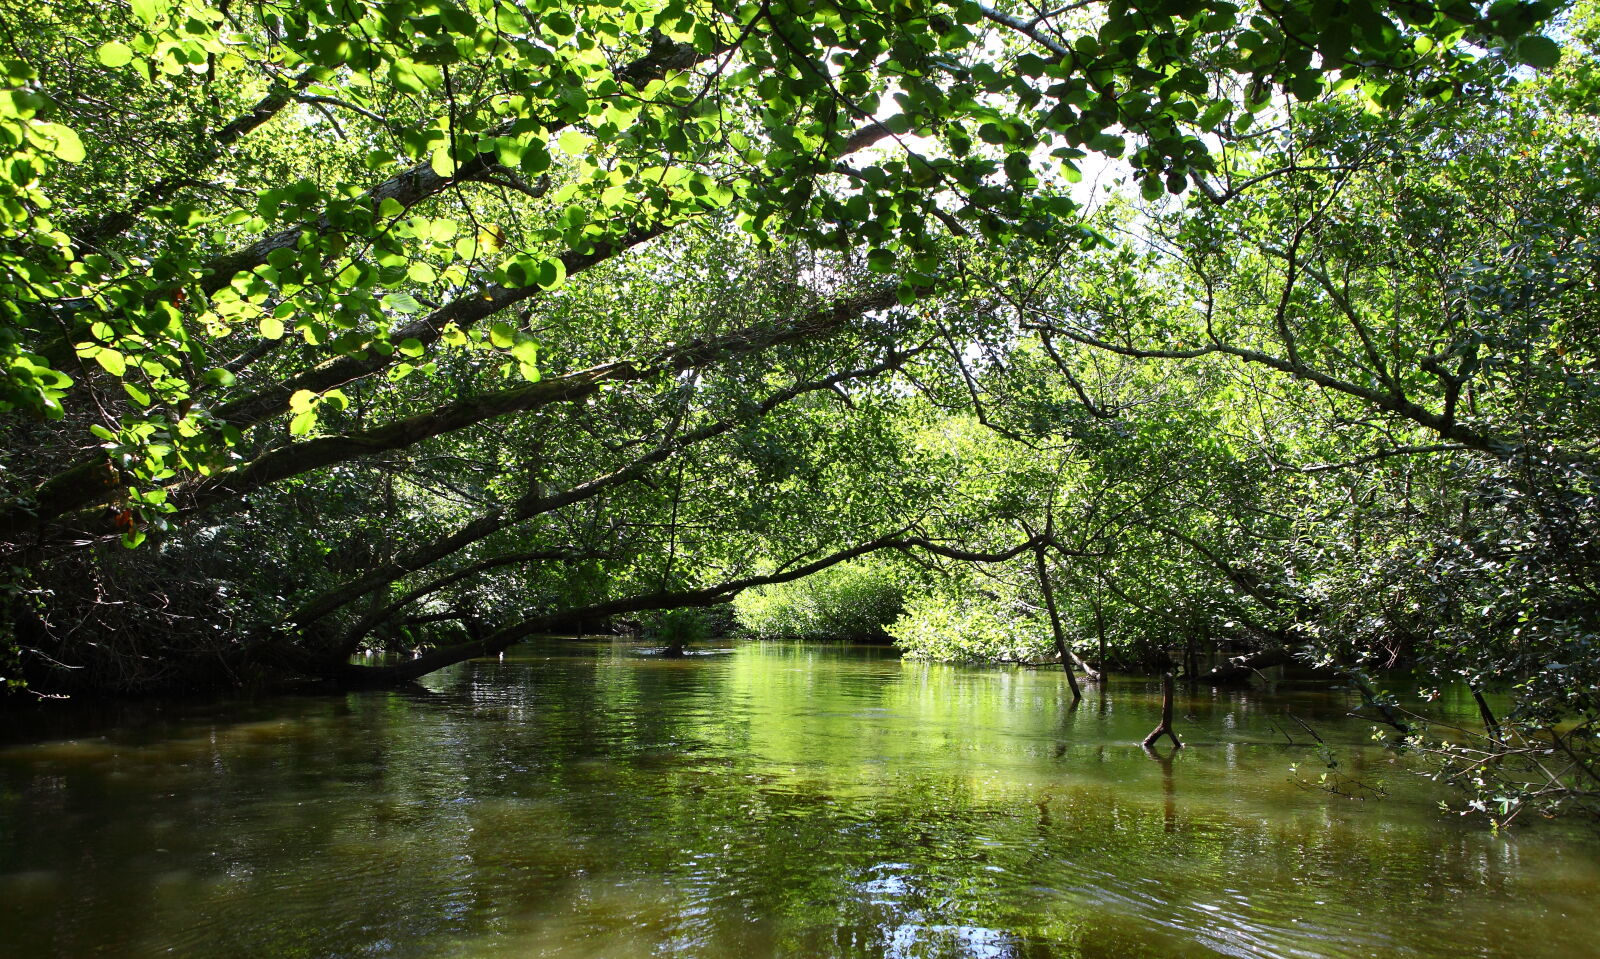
column 680, row 599
column 535, row 502
column 352, row 638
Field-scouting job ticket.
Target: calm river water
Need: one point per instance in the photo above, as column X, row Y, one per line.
column 584, row 800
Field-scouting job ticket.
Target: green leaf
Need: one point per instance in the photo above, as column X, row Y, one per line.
column 527, row 356
column 114, row 54
column 573, row 143
column 102, row 432
column 443, row 163
column 401, row 303
column 272, row 328
column 302, row 401
column 508, row 20
column 1108, row 143
column 303, row 423
column 521, row 271
column 111, row 361
column 64, row 142
column 502, row 335
column 1214, row 115
column 551, row 274
column 559, row 24
column 535, row 159
column 1537, row 51
column 149, row 11
column 507, row 149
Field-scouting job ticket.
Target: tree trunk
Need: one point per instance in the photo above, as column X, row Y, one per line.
column 1055, row 622
column 1490, row 726
column 1100, row 630
column 1370, row 697
column 1165, row 729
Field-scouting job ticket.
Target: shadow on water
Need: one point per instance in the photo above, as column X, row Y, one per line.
column 579, row 799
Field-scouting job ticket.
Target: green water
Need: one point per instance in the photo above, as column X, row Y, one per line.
column 583, row 800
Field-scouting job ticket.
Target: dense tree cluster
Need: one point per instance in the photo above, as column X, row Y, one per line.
column 1106, row 331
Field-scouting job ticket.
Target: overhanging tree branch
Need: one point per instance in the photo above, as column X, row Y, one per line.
column 88, row 480
column 535, row 502
column 679, row 599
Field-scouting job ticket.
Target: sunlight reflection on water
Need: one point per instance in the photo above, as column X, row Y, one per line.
column 584, row 800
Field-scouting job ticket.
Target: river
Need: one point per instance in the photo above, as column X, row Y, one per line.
column 584, row 800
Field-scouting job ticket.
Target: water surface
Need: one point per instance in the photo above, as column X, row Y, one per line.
column 582, row 800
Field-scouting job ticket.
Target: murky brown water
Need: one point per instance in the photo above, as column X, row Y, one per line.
column 582, row 800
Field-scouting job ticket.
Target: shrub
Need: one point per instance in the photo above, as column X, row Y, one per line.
column 969, row 628
column 848, row 601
